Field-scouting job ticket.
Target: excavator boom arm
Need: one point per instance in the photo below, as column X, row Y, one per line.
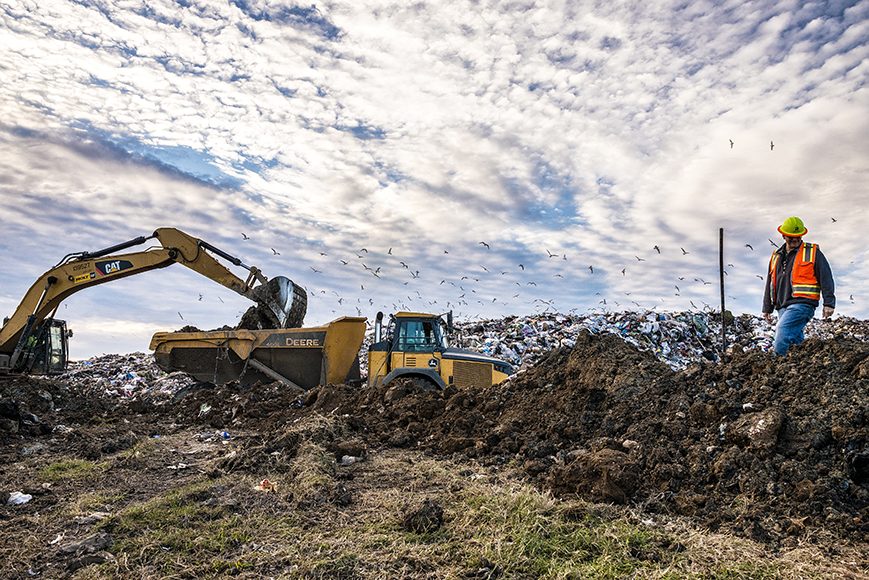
column 86, row 269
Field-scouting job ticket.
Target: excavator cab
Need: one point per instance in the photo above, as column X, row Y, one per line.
column 42, row 349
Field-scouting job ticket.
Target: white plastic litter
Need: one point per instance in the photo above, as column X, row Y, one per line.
column 18, row 498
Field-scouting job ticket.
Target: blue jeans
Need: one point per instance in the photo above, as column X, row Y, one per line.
column 791, row 322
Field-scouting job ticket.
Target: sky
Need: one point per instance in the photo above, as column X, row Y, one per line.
column 493, row 158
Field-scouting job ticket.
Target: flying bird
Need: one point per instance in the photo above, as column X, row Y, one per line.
column 639, row 259
column 758, row 276
column 345, row 262
column 731, row 143
column 485, row 244
column 522, row 267
column 389, row 251
column 684, row 253
column 749, row 247
column 551, row 255
column 771, row 145
column 834, row 219
column 484, row 268
column 774, row 245
column 316, row 270
column 275, row 252
column 244, row 236
column 403, row 265
column 591, row 269
column 656, row 248
column 560, row 276
column 623, row 270
column 179, row 314
column 200, row 298
column 363, row 250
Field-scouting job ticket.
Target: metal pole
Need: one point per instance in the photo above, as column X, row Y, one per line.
column 721, row 276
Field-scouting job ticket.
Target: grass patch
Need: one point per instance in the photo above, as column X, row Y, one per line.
column 182, row 530
column 312, row 473
column 95, row 501
column 140, row 455
column 747, row 571
column 72, row 469
column 526, row 534
column 493, row 527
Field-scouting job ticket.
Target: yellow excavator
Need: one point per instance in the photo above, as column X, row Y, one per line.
column 33, row 341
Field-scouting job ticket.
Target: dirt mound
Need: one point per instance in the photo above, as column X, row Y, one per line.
column 770, row 448
column 761, row 446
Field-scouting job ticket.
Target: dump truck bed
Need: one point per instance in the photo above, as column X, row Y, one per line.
column 305, row 357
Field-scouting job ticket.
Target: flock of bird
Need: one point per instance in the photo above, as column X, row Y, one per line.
column 468, row 295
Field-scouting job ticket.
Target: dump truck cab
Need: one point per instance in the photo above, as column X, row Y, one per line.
column 416, row 346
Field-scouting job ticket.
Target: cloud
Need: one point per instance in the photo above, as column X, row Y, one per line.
column 592, row 131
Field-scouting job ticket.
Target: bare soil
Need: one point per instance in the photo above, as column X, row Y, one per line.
column 770, row 450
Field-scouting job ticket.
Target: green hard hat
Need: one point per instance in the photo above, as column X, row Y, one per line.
column 793, row 227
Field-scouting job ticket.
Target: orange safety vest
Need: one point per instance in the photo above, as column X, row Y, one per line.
column 803, row 280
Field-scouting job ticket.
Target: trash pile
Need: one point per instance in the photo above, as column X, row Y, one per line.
column 675, row 338
column 134, row 375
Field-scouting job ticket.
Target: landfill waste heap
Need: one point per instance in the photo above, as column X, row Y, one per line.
column 620, row 408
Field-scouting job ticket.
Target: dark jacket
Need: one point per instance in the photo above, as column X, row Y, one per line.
column 784, row 292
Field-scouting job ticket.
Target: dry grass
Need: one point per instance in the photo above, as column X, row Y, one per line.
column 326, row 521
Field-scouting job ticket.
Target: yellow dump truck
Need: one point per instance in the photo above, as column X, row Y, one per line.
column 415, row 346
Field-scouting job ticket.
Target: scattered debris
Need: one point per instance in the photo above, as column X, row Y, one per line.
column 348, row 460
column 18, row 498
column 266, row 486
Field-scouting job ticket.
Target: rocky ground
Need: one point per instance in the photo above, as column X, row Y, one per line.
column 763, row 450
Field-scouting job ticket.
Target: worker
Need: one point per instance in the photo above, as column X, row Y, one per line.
column 798, row 275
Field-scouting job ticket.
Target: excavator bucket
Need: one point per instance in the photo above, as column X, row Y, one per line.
column 280, row 304
column 303, row 357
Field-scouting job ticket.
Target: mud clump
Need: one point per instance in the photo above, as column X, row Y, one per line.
column 424, row 519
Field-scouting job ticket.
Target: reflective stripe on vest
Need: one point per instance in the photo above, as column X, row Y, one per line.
column 804, row 283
